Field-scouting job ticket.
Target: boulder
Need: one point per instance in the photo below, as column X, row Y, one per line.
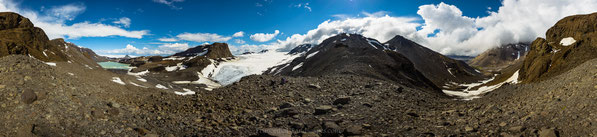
column 274, row 132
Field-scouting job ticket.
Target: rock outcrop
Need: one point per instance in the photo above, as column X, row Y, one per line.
column 570, row 42
column 19, row 36
column 212, row 51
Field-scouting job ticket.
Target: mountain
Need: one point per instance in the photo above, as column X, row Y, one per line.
column 436, row 67
column 19, row 36
column 570, row 42
column 86, row 52
column 500, row 57
column 354, row 55
column 212, row 51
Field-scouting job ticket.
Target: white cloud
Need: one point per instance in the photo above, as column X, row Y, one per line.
column 303, row 5
column 239, row 34
column 264, row 37
column 170, row 3
column 203, row 37
column 515, row 21
column 53, row 22
column 126, row 22
column 446, row 30
column 239, row 41
column 164, row 49
column 168, row 39
column 66, row 12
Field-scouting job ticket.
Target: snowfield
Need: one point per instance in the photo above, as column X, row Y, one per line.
column 469, row 94
column 187, row 92
column 232, row 71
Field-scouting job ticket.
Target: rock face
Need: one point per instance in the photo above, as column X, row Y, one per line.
column 19, row 36
column 354, row 55
column 213, row 51
column 500, row 57
column 436, row 67
column 86, row 52
column 570, row 42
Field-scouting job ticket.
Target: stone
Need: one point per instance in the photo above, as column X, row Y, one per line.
column 152, row 135
column 322, row 109
column 26, row 131
column 307, row 100
column 353, row 130
column 28, row 96
column 342, row 101
column 331, row 129
column 469, row 129
column 309, row 134
column 297, row 125
column 286, row 105
column 315, row 86
column 516, row 129
column 2, row 86
column 274, row 132
column 502, row 124
column 547, row 132
column 367, row 126
column 288, row 112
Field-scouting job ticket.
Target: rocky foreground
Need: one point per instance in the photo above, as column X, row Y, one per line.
column 38, row 99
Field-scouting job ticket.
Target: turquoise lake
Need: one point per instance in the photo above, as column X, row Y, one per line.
column 113, row 65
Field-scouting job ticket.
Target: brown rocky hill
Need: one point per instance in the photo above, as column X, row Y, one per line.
column 436, row 67
column 500, row 57
column 19, row 36
column 354, row 55
column 212, row 51
column 570, row 42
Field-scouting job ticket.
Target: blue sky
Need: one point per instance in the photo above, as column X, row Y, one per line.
column 147, row 23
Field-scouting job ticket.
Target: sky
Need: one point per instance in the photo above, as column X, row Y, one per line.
column 164, row 27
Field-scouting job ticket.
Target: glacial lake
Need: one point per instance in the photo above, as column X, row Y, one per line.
column 113, row 65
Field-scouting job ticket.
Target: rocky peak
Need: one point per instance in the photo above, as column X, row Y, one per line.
column 212, row 51
column 11, row 20
column 19, row 36
column 569, row 43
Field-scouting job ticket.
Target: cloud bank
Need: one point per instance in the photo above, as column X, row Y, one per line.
column 164, row 49
column 445, row 29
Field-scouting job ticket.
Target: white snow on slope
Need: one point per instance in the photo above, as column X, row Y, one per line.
column 371, row 42
column 312, row 54
column 51, row 64
column 297, row 66
column 174, row 58
column 248, row 65
column 135, row 84
column 567, row 41
column 160, row 86
column 187, row 92
column 142, row 73
column 470, row 94
column 117, row 80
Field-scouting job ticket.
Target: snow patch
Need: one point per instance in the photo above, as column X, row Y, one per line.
column 171, row 68
column 142, row 73
column 51, row 64
column 567, row 41
column 160, row 86
column 297, row 66
column 312, row 54
column 117, row 80
column 202, row 80
column 174, row 58
column 187, row 92
column 137, row 85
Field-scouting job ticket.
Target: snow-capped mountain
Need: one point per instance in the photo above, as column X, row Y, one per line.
column 353, row 54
